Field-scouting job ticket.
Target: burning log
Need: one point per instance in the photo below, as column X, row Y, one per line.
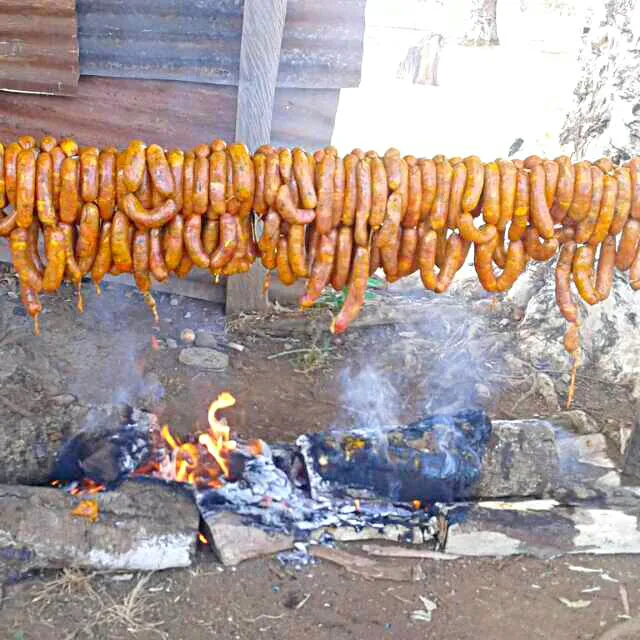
column 439, row 458
column 144, row 525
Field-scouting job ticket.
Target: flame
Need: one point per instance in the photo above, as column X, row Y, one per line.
column 202, row 538
column 203, row 462
column 85, row 486
column 87, row 509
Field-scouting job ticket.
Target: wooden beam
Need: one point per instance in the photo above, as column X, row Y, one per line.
column 262, row 29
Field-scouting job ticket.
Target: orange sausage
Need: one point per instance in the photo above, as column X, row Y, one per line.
column 89, row 175
column 583, row 274
column 70, row 202
column 10, row 171
column 321, row 268
column 121, row 190
column 403, row 189
column 210, row 236
column 454, row 258
column 175, row 158
column 537, row 250
column 157, row 264
column 324, row 210
column 540, row 215
column 564, row 299
column 72, row 269
column 634, row 272
column 628, row 245
column 623, row 201
column 272, row 178
column 564, row 189
column 551, row 175
column 44, row 190
column 285, row 164
column 337, row 199
column 458, row 183
column 414, row 205
column 605, row 165
column 56, row 260
column 145, row 191
column 69, row 146
column 587, row 225
column 287, row 209
column 355, row 298
column 389, row 231
column 427, row 258
column 607, row 211
column 141, row 260
column 201, row 181
column 227, row 246
column 508, row 179
column 407, row 261
column 31, row 303
column 491, row 193
column 296, row 246
column 48, row 144
column 606, row 265
column 520, row 219
column 285, row 274
column 160, row 171
column 379, row 193
column 185, row 266
column 187, row 184
column 392, row 166
column 173, row 242
column 350, row 190
column 440, row 209
column 7, row 223
column 243, row 174
column 259, row 168
column 102, row 263
column 88, row 236
column 106, row 184
column 634, row 174
column 134, row 165
column 25, row 188
column 142, row 218
column 389, row 255
column 120, row 242
column 268, row 243
column 344, row 249
column 27, row 142
column 304, row 177
column 429, row 182
column 193, row 242
column 22, row 261
column 33, row 240
column 486, row 233
column 363, row 206
column 581, row 202
column 532, row 161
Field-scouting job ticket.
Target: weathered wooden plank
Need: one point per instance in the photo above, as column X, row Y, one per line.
column 113, row 111
column 39, row 46
column 262, row 27
column 200, row 41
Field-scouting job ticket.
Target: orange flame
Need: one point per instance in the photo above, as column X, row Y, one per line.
column 204, row 462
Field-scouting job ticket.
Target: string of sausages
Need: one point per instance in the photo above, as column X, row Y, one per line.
column 326, row 219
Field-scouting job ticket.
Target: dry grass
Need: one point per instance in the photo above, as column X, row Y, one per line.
column 134, row 613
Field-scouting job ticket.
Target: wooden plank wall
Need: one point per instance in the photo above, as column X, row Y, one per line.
column 200, row 41
column 39, row 46
column 112, row 111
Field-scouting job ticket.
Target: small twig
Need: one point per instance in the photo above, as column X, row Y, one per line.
column 303, row 601
column 280, row 354
column 263, row 616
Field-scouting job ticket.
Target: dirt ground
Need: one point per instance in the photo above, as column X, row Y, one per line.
column 285, row 385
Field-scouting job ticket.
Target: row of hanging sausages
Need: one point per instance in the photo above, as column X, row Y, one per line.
column 327, row 219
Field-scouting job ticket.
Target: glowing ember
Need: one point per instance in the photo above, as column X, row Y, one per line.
column 202, row 538
column 204, row 463
column 85, row 486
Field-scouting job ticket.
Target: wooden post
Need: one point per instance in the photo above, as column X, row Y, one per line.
column 262, row 28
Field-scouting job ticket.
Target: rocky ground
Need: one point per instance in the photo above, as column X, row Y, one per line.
column 408, row 355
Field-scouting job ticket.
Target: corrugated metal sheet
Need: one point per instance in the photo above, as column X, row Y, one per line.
column 112, row 111
column 39, row 46
column 199, row 41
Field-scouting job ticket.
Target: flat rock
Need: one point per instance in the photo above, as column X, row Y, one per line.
column 235, row 540
column 206, row 338
column 142, row 526
column 575, row 420
column 521, row 460
column 204, row 358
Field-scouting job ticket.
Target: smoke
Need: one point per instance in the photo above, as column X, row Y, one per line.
column 452, row 361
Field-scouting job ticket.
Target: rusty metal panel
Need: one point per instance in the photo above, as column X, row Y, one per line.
column 39, row 46
column 200, row 41
column 112, row 111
